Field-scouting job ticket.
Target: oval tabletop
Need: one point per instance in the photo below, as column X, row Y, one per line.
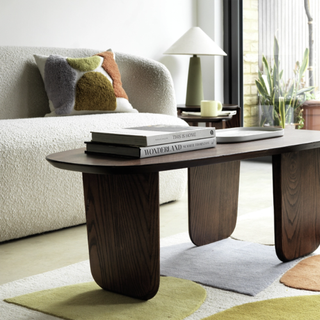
column 291, row 141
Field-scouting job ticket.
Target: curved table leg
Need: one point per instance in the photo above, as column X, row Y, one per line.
column 296, row 192
column 213, row 201
column 122, row 214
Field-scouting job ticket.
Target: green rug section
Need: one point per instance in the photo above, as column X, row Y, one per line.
column 176, row 299
column 293, row 308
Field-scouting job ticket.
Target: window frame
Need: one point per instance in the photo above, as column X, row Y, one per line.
column 233, row 46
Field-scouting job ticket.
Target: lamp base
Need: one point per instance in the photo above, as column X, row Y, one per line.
column 194, row 87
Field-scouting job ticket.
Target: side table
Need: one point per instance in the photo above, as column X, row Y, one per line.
column 220, row 122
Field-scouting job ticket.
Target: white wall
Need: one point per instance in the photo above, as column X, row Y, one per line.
column 142, row 27
column 210, row 20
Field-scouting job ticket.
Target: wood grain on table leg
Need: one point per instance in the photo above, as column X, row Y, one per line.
column 213, row 201
column 123, row 232
column 296, row 192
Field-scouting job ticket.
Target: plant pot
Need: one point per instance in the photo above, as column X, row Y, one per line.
column 267, row 117
column 311, row 115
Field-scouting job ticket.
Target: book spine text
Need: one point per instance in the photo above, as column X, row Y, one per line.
column 178, row 147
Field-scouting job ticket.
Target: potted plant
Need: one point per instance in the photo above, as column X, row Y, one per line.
column 281, row 101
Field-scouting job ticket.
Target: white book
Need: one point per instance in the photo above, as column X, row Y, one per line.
column 152, row 135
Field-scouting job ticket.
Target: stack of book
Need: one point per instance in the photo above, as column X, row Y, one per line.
column 151, row 141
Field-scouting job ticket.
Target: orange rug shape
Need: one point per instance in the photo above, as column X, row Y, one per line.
column 305, row 275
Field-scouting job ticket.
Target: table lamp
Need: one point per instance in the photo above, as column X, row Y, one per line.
column 195, row 42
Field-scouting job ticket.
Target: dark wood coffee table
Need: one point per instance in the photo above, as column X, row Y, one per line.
column 122, row 204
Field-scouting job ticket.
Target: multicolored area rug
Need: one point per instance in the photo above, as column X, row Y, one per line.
column 217, row 300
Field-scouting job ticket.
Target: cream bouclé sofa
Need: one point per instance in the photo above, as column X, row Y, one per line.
column 35, row 197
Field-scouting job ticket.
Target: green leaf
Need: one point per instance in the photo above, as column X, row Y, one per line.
column 275, row 78
column 263, row 83
column 268, row 72
column 262, row 89
column 276, row 74
column 289, row 114
column 276, row 102
column 276, row 52
column 304, row 64
column 304, row 90
column 290, row 91
column 260, row 76
column 291, row 102
column 282, row 112
column 265, row 64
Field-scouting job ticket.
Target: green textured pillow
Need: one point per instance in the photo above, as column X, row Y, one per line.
column 83, row 85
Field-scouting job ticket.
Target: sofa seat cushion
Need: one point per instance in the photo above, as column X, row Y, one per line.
column 28, row 179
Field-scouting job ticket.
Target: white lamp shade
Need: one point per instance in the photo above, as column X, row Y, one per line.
column 196, row 42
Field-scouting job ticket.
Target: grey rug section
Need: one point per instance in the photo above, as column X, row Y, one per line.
column 233, row 265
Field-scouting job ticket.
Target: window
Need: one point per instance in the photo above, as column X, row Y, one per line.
column 233, row 62
column 251, row 27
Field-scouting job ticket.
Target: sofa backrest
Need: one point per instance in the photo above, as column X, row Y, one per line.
column 22, row 95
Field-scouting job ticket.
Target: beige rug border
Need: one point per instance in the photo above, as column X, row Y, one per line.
column 257, row 227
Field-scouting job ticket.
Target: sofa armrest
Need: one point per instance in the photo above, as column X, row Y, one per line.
column 148, row 84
